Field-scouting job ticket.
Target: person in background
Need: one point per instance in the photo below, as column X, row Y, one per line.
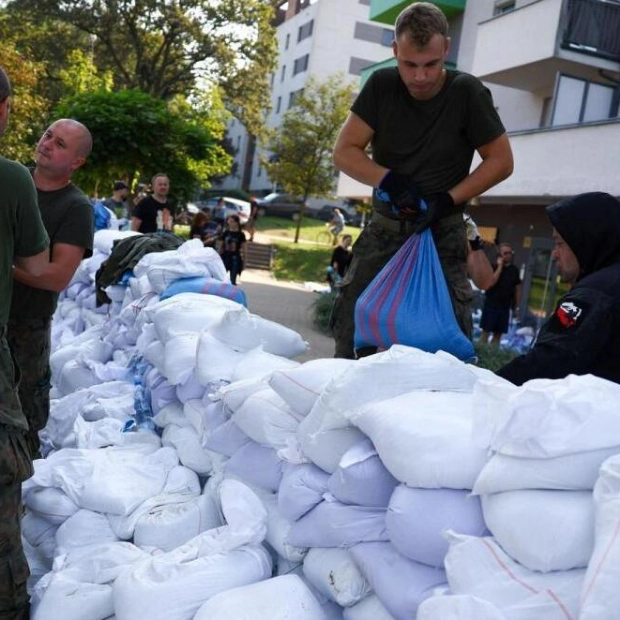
column 154, row 213
column 582, row 336
column 478, row 265
column 340, row 261
column 219, row 212
column 336, row 224
column 232, row 245
column 117, row 202
column 23, row 245
column 250, row 227
column 501, row 297
column 425, row 123
column 204, row 228
column 68, row 218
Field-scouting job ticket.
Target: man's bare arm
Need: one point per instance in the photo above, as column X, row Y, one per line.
column 135, row 223
column 58, row 272
column 33, row 265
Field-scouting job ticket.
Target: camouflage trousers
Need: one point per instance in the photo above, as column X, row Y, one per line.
column 377, row 244
column 15, row 467
column 30, row 343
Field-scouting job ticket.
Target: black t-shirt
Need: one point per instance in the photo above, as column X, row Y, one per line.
column 232, row 240
column 502, row 293
column 146, row 211
column 343, row 258
column 68, row 218
column 432, row 140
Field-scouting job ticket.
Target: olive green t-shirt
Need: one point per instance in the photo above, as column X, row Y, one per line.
column 21, row 230
column 68, row 218
column 432, row 140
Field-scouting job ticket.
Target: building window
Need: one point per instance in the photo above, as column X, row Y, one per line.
column 581, row 101
column 283, row 73
column 288, row 41
column 292, row 98
column 503, row 6
column 279, row 105
column 301, row 64
column 373, row 34
column 305, row 31
column 273, row 77
column 357, row 65
column 365, row 2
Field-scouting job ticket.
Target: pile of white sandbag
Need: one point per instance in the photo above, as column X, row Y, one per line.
column 402, row 485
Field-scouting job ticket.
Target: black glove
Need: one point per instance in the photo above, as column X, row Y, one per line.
column 437, row 205
column 403, row 193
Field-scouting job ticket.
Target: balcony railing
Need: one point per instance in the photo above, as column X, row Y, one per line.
column 592, row 27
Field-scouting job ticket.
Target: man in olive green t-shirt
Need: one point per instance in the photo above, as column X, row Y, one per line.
column 68, row 218
column 23, row 243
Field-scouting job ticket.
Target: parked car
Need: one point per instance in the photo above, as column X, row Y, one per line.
column 233, row 206
column 281, row 205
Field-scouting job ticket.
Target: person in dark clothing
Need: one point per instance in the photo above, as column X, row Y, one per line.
column 583, row 334
column 232, row 246
column 204, row 228
column 502, row 297
column 340, row 261
column 154, row 213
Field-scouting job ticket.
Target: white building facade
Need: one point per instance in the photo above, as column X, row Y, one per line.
column 317, row 38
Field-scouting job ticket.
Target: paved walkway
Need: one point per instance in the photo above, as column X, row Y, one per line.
column 288, row 303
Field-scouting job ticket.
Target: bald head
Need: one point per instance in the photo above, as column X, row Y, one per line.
column 83, row 140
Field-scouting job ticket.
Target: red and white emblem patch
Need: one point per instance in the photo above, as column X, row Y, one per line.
column 568, row 314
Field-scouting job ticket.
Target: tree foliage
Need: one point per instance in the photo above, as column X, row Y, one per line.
column 169, row 47
column 28, row 106
column 301, row 148
column 136, row 135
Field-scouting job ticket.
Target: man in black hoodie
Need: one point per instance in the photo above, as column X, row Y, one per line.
column 583, row 334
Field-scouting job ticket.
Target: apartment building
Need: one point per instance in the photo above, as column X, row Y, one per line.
column 553, row 67
column 316, row 38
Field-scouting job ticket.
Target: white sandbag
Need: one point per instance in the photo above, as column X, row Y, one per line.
column 334, row 574
column 77, row 599
column 245, row 331
column 278, row 528
column 36, row 529
column 155, row 354
column 116, row 292
column 132, row 311
column 361, row 478
column 180, row 357
column 257, row 464
column 108, row 432
column 599, row 596
column 301, row 386
column 400, row 584
column 371, row 608
column 170, row 526
column 104, row 239
column 326, row 433
column 266, row 419
column 52, row 504
column 235, row 394
column 216, row 360
column 204, row 416
column 182, row 485
column 280, row 598
column 548, row 418
column 226, row 439
column 186, row 441
column 416, row 519
column 543, row 530
column 82, row 529
column 191, row 259
column 191, row 388
column 75, row 374
column 424, row 438
column 259, row 363
column 301, row 489
column 461, row 607
column 333, row 524
column 113, row 480
column 177, row 583
column 479, row 567
column 572, row 472
column 162, row 392
column 95, row 350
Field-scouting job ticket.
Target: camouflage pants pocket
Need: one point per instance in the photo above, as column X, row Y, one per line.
column 15, row 461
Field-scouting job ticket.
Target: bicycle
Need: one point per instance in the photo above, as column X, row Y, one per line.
column 325, row 237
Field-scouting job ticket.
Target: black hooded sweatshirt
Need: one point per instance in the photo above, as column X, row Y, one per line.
column 583, row 334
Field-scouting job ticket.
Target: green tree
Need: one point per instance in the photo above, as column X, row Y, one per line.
column 136, row 135
column 171, row 47
column 301, row 147
column 28, row 106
